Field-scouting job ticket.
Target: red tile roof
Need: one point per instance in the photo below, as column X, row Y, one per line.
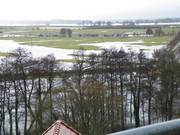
column 60, row 128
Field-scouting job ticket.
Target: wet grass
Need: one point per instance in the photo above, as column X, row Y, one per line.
column 75, row 43
column 4, row 54
column 107, row 31
column 31, row 37
column 162, row 40
column 68, row 60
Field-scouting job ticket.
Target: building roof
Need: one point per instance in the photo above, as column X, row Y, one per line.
column 60, row 128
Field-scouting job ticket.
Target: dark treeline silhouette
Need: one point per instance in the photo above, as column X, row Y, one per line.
column 103, row 93
column 66, row 32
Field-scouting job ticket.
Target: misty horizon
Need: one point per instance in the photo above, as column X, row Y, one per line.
column 88, row 10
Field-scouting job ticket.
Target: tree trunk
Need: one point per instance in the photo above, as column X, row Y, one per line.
column 122, row 103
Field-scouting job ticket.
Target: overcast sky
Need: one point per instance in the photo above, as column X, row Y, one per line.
column 87, row 9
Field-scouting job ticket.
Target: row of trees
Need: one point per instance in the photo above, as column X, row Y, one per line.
column 66, row 32
column 96, row 23
column 103, row 93
column 25, row 89
column 156, row 32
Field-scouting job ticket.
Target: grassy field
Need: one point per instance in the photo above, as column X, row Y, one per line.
column 68, row 60
column 3, row 54
column 74, row 43
column 50, row 36
column 107, row 31
column 36, row 30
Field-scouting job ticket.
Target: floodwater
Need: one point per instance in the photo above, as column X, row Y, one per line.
column 129, row 46
column 40, row 51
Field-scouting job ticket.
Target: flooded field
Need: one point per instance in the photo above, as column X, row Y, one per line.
column 64, row 54
column 39, row 51
column 129, row 46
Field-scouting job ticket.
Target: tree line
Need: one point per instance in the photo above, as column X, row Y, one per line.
column 101, row 93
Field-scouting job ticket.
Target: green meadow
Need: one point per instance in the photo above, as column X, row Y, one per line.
column 50, row 36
